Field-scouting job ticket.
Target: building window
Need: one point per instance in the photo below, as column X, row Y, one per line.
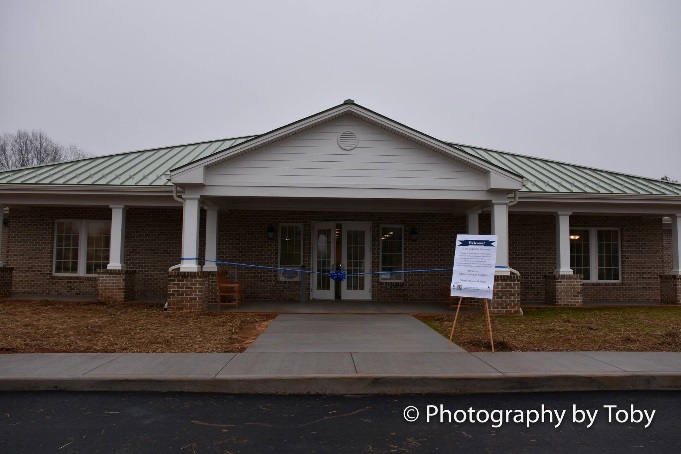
column 595, row 254
column 290, row 245
column 392, row 253
column 81, row 247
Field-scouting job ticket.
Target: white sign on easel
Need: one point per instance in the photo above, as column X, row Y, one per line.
column 474, row 263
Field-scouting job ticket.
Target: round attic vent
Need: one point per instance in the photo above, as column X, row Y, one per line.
column 347, row 140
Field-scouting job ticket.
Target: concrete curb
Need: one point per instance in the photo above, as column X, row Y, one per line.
column 394, row 384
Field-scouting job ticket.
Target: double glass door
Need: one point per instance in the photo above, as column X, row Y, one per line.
column 344, row 247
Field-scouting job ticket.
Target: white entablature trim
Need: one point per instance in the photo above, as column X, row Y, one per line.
column 346, row 193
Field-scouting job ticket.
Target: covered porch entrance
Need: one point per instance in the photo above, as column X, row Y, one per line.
column 343, row 176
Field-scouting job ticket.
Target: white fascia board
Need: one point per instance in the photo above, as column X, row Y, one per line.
column 195, row 175
column 80, row 199
column 578, row 196
column 497, row 180
column 360, row 112
column 605, row 207
column 82, row 189
column 599, row 198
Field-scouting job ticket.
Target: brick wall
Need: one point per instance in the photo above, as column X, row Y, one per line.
column 4, row 240
column 115, row 286
column 642, row 258
column 643, row 252
column 31, row 246
column 153, row 243
column 186, row 291
column 506, row 298
column 667, row 245
column 670, row 289
column 6, row 281
column 532, row 251
column 564, row 290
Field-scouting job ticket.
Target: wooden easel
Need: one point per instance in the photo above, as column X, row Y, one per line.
column 489, row 323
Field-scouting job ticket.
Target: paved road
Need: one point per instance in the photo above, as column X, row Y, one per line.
column 188, row 423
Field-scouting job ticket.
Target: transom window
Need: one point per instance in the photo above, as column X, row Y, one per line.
column 392, row 253
column 595, row 254
column 81, row 247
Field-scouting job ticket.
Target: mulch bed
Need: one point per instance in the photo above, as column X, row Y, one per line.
column 569, row 329
column 58, row 326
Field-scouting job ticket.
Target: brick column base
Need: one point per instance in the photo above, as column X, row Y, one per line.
column 506, row 298
column 564, row 289
column 6, row 281
column 210, row 287
column 188, row 291
column 670, row 289
column 115, row 286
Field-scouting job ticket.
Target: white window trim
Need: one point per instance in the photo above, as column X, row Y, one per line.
column 300, row 226
column 593, row 254
column 400, row 276
column 82, row 246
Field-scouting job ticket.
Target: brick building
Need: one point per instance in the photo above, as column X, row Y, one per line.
column 345, row 188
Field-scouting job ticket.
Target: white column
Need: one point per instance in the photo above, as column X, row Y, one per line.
column 117, row 238
column 211, row 239
column 563, row 244
column 190, row 234
column 2, row 220
column 473, row 222
column 676, row 244
column 500, row 229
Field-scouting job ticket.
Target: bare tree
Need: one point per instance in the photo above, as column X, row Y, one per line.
column 31, row 148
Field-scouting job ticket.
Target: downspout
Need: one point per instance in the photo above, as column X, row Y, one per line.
column 510, row 204
column 181, row 200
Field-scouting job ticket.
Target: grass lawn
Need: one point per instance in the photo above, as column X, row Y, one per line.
column 57, row 326
column 568, row 329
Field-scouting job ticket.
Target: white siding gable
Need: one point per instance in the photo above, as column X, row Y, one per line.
column 313, row 159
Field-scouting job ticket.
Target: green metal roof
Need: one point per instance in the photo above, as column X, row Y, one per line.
column 548, row 176
column 146, row 168
column 137, row 168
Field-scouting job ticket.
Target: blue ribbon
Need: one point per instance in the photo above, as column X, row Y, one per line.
column 338, row 276
column 335, row 275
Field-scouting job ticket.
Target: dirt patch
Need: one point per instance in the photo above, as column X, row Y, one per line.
column 568, row 329
column 57, row 326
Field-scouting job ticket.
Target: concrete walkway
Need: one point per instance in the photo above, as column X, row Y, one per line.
column 349, row 333
column 341, row 372
column 339, row 307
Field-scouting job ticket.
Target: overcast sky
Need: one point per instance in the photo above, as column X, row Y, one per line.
column 589, row 82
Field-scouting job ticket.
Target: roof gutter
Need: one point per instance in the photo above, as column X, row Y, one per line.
column 175, row 196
